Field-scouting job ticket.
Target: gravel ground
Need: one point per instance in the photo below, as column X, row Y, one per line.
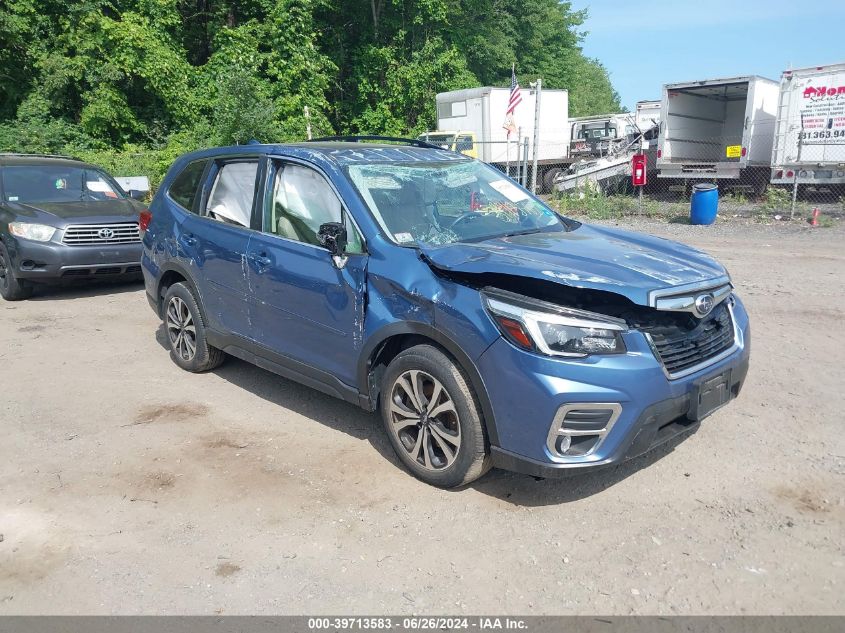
column 129, row 486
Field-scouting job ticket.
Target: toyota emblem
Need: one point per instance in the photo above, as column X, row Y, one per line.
column 105, row 234
column 703, row 304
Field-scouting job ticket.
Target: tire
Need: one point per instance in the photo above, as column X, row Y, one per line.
column 184, row 327
column 549, row 179
column 449, row 448
column 12, row 288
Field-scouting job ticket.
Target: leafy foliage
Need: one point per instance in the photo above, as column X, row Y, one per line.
column 105, row 77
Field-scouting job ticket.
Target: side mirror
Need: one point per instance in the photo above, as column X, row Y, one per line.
column 332, row 236
column 137, row 194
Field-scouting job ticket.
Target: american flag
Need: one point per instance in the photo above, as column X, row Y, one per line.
column 515, row 100
column 516, row 94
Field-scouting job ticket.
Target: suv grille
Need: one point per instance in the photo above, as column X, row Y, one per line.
column 98, row 234
column 681, row 348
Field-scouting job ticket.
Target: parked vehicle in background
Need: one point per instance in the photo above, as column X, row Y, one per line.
column 485, row 328
column 62, row 219
column 458, row 141
column 647, row 115
column 599, row 135
column 481, row 111
column 718, row 129
column 809, row 142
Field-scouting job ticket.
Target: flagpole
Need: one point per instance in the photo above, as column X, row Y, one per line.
column 508, row 137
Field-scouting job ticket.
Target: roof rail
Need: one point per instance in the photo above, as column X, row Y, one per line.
column 38, row 155
column 392, row 139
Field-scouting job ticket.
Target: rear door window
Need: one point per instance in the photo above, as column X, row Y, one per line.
column 184, row 187
column 233, row 193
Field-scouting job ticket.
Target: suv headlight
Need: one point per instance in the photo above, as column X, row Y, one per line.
column 35, row 232
column 553, row 330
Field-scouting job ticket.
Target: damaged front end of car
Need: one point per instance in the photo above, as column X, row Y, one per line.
column 584, row 376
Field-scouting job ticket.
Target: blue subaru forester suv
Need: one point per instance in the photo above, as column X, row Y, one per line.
column 404, row 278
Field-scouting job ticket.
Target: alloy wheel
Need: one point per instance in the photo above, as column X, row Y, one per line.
column 181, row 329
column 424, row 420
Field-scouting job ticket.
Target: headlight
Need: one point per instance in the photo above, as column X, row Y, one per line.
column 35, row 232
column 554, row 330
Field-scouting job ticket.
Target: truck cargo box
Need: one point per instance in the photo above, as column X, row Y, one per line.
column 717, row 128
column 647, row 114
column 482, row 111
column 809, row 143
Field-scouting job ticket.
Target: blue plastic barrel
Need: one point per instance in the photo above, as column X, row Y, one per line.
column 704, row 204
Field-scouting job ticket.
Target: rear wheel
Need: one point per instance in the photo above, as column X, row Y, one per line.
column 186, row 333
column 432, row 418
column 11, row 288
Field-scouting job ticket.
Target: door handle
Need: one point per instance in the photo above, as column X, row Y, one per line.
column 261, row 259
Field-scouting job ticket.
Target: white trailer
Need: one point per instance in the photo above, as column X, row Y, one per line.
column 809, row 142
column 481, row 111
column 718, row 129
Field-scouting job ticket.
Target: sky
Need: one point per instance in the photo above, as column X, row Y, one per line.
column 649, row 43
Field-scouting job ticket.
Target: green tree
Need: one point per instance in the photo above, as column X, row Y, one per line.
column 171, row 75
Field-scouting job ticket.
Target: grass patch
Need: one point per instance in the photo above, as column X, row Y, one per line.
column 826, row 222
column 597, row 206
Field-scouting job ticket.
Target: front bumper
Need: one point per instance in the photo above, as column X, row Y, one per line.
column 53, row 261
column 654, row 408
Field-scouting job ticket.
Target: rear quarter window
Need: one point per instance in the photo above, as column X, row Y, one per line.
column 184, row 188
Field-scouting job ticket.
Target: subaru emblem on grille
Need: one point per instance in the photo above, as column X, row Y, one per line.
column 703, row 305
column 107, row 234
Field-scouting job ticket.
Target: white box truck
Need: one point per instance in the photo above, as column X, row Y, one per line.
column 479, row 113
column 809, row 142
column 718, row 129
column 647, row 115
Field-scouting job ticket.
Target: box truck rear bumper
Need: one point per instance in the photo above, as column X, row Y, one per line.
column 699, row 170
column 819, row 176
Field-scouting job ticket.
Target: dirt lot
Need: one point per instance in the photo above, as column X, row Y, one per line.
column 130, row 486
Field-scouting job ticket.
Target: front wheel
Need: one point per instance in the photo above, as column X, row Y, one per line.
column 186, row 334
column 432, row 418
column 11, row 288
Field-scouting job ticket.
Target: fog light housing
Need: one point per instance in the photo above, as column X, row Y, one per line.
column 579, row 429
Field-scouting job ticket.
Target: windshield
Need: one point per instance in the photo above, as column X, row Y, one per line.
column 56, row 183
column 437, row 138
column 443, row 203
column 598, row 132
column 443, row 140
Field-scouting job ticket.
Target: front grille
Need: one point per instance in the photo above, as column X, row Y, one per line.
column 99, row 234
column 682, row 346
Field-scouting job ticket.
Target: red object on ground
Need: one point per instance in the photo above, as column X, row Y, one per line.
column 815, row 220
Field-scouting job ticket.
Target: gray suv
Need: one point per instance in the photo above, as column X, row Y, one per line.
column 62, row 219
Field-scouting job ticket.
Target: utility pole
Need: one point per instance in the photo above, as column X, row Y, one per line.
column 538, row 87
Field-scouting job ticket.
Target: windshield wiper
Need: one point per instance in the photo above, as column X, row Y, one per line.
column 523, row 232
column 539, row 229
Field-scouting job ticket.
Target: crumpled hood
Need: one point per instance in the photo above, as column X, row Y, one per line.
column 626, row 263
column 60, row 214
